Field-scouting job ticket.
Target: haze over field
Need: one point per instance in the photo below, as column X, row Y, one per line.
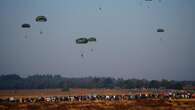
column 128, row 44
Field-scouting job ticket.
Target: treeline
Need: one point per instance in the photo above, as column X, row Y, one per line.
column 14, row 81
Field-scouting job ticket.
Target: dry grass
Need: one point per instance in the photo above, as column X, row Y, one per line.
column 105, row 105
column 58, row 92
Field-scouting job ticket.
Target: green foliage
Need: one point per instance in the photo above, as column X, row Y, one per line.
column 56, row 81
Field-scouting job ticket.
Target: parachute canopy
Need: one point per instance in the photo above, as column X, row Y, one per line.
column 160, row 30
column 41, row 19
column 25, row 25
column 81, row 41
column 91, row 39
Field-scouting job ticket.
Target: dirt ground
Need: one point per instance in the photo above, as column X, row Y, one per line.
column 105, row 105
column 59, row 92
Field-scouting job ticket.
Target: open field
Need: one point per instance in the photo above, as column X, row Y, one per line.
column 59, row 92
column 140, row 104
column 105, row 105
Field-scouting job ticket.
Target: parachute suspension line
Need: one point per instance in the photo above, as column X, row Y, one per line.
column 92, row 42
column 82, row 52
column 100, row 6
column 148, row 3
column 160, row 30
column 161, row 38
column 26, row 27
column 41, row 19
column 82, row 55
column 25, row 35
column 41, row 32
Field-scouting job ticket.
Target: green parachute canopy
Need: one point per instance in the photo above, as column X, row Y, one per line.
column 91, row 39
column 82, row 41
column 41, row 19
column 25, row 25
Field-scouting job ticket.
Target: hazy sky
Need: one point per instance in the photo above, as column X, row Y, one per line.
column 128, row 45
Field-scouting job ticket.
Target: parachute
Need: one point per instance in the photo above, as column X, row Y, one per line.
column 41, row 19
column 26, row 27
column 160, row 30
column 82, row 43
column 91, row 39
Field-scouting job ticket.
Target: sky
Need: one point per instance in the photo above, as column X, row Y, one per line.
column 127, row 46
